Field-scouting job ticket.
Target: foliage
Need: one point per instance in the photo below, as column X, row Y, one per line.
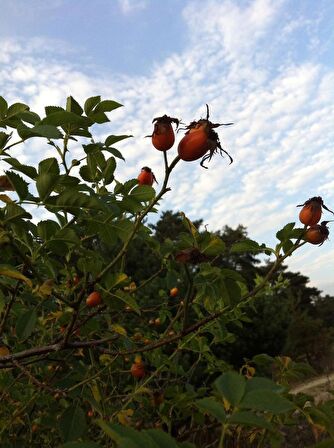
column 65, row 365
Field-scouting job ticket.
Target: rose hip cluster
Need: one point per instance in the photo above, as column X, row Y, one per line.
column 200, row 141
column 310, row 215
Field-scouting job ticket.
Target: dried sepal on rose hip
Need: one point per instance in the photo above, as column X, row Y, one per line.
column 318, row 233
column 146, row 176
column 191, row 255
column 201, row 140
column 163, row 136
column 311, row 212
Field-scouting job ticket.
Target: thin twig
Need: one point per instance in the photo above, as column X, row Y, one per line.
column 8, row 308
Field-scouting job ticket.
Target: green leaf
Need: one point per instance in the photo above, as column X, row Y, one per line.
column 29, row 171
column 45, row 184
column 116, row 432
column 91, row 264
column 62, row 118
column 67, row 235
column 232, row 386
column 9, row 271
column 162, row 439
column 126, row 298
column 3, row 106
column 29, row 117
column 47, row 229
column 231, row 291
column 20, row 185
column 13, row 122
column 129, row 185
column 143, row 193
column 26, row 324
column 4, row 138
column 73, row 106
column 264, row 384
column 115, row 279
column 95, row 158
column 107, row 106
column 233, row 275
column 266, row 400
column 25, row 132
column 48, row 166
column 115, row 152
column 127, row 437
column 287, row 245
column 52, row 109
column 99, row 117
column 90, row 103
column 111, row 139
column 245, row 246
column 14, row 211
column 215, row 246
column 285, row 232
column 46, row 130
column 123, row 228
column 108, row 172
column 74, row 201
column 15, row 109
column 72, row 423
column 104, row 230
column 247, row 418
column 86, row 174
column 189, row 226
column 211, row 406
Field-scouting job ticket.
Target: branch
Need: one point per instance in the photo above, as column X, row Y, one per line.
column 8, row 308
column 8, row 360
column 34, row 380
column 5, row 360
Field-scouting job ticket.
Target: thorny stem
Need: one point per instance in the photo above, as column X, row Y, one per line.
column 10, row 146
column 222, row 436
column 8, row 308
column 188, row 297
column 141, row 217
column 96, row 375
column 34, row 380
column 148, row 280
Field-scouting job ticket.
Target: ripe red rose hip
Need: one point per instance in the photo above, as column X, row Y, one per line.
column 163, row 136
column 93, row 299
column 311, row 212
column 201, row 140
column 138, row 368
column 146, row 176
column 317, row 233
column 174, row 292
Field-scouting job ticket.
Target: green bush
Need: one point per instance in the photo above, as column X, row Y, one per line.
column 137, row 369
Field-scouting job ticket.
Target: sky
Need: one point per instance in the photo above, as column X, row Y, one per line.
column 265, row 65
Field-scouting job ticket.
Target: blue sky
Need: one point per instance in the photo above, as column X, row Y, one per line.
column 266, row 65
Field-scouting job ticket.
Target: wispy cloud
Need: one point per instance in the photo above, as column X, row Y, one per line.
column 131, row 6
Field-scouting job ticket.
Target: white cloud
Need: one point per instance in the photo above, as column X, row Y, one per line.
column 130, row 6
